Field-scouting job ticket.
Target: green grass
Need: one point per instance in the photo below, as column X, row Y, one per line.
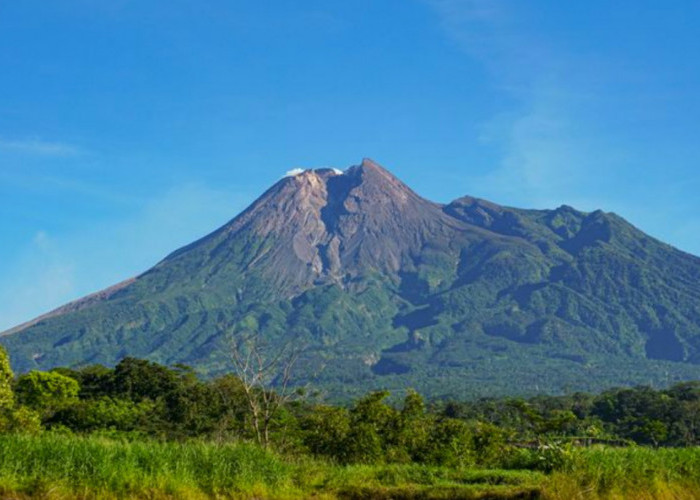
column 57, row 466
column 53, row 466
column 634, row 472
column 98, row 467
column 420, row 481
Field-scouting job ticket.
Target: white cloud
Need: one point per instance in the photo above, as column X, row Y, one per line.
column 545, row 143
column 297, row 171
column 294, row 172
column 554, row 149
column 39, row 147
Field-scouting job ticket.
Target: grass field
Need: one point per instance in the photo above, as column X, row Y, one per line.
column 62, row 467
column 634, row 473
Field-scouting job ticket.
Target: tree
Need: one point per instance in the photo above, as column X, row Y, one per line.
column 373, row 426
column 259, row 367
column 13, row 417
column 46, row 392
column 413, row 428
column 95, row 380
column 137, row 379
column 7, row 399
column 230, row 406
column 105, row 413
column 451, row 443
column 326, row 429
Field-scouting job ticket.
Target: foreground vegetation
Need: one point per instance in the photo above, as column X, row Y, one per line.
column 148, row 399
column 147, row 431
column 60, row 466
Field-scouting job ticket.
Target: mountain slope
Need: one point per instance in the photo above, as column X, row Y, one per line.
column 387, row 289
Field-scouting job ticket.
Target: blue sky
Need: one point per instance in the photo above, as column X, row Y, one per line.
column 129, row 128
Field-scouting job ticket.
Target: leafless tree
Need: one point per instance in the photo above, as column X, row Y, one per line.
column 260, row 367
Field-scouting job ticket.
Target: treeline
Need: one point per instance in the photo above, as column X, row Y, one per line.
column 138, row 398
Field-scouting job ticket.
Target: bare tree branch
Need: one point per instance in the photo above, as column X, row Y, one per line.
column 258, row 367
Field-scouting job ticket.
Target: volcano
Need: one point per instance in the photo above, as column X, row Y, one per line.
column 384, row 288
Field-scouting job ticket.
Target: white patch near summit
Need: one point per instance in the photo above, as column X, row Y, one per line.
column 294, row 172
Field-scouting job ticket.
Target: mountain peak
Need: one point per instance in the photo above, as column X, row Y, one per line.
column 368, row 171
column 369, row 163
column 354, row 190
column 371, row 169
column 324, row 224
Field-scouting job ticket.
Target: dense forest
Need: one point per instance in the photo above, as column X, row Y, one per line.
column 145, row 398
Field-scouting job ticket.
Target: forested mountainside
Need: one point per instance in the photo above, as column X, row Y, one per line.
column 379, row 287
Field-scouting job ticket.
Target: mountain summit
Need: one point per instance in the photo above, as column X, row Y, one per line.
column 327, row 226
column 388, row 289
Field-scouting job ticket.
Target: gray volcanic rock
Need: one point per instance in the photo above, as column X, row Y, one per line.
column 322, row 226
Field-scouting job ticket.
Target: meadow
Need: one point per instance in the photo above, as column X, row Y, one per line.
column 57, row 466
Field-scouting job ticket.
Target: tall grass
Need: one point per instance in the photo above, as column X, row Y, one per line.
column 100, row 467
column 630, row 473
column 56, row 466
column 59, row 466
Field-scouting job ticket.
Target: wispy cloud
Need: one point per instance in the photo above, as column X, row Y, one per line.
column 38, row 147
column 544, row 156
column 544, row 145
column 553, row 137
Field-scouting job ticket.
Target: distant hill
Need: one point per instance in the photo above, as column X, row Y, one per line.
column 384, row 288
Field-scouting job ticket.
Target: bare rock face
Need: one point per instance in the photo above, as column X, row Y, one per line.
column 329, row 226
